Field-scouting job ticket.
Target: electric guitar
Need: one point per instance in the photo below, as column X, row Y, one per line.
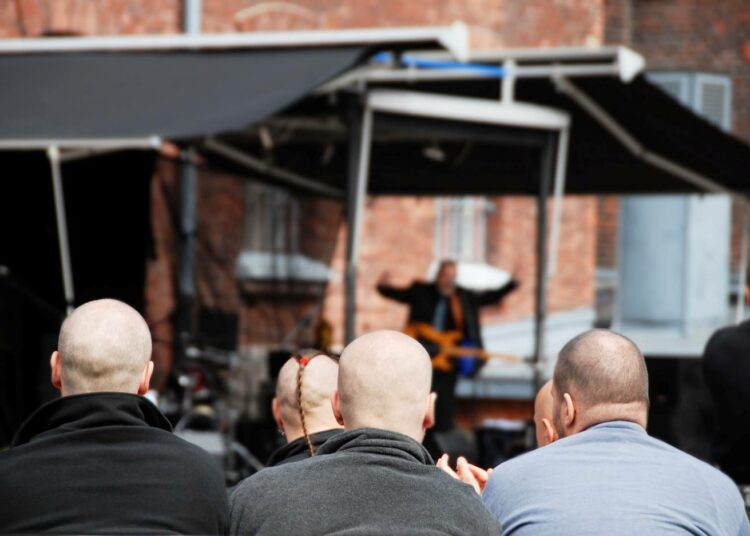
column 450, row 349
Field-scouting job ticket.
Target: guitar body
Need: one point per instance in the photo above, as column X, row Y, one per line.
column 447, row 341
column 452, row 348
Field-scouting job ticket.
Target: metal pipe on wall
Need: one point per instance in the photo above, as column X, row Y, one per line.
column 191, row 17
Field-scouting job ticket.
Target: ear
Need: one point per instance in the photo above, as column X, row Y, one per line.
column 146, row 378
column 55, row 374
column 429, row 414
column 336, row 405
column 569, row 410
column 276, row 412
column 550, row 433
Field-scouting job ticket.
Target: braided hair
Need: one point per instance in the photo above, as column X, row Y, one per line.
column 303, row 358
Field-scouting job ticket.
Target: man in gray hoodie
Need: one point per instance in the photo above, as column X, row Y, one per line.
column 375, row 477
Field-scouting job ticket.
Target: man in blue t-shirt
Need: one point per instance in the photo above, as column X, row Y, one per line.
column 606, row 475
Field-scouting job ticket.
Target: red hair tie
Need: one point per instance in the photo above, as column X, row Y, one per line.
column 304, row 361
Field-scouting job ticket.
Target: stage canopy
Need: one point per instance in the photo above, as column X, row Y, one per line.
column 94, row 91
column 627, row 136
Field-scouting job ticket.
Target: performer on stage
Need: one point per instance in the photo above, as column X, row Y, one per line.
column 445, row 307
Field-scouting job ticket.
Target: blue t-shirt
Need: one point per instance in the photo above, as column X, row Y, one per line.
column 613, row 479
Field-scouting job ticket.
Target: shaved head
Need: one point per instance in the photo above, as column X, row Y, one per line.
column 317, row 384
column 605, row 374
column 104, row 345
column 384, row 382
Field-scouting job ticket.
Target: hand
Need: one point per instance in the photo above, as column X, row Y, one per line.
column 467, row 473
column 515, row 271
column 385, row 278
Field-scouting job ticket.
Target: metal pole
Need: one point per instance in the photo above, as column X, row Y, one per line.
column 560, row 168
column 191, row 17
column 545, row 183
column 359, row 165
column 53, row 153
column 186, row 269
column 740, row 310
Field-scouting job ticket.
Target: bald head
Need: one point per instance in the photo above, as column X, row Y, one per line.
column 316, row 385
column 384, row 382
column 605, row 374
column 104, row 345
column 543, row 416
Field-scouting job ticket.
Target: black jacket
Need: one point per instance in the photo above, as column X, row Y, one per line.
column 726, row 368
column 107, row 463
column 297, row 450
column 423, row 297
column 362, row 482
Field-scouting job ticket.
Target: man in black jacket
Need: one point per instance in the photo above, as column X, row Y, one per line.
column 446, row 307
column 726, row 368
column 102, row 459
column 375, row 477
column 302, row 406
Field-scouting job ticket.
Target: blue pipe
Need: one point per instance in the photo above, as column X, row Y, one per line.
column 409, row 61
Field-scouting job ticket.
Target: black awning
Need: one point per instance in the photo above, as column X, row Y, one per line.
column 175, row 94
column 492, row 160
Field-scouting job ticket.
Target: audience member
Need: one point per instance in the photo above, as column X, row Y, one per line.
column 726, row 368
column 606, row 475
column 102, row 459
column 375, row 477
column 302, row 406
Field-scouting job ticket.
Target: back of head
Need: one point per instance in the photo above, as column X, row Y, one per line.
column 384, row 382
column 605, row 374
column 304, row 392
column 104, row 345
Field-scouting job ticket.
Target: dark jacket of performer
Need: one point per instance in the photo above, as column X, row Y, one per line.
column 423, row 299
column 361, row 482
column 107, row 463
column 726, row 367
column 297, row 450
column 428, row 305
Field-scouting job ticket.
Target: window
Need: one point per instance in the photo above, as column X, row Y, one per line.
column 271, row 219
column 461, row 228
column 708, row 95
column 270, row 249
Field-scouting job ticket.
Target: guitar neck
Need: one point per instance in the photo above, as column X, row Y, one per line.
column 457, row 351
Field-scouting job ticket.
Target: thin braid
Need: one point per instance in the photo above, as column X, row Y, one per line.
column 300, row 370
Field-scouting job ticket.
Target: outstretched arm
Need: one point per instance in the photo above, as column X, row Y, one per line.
column 493, row 296
column 403, row 295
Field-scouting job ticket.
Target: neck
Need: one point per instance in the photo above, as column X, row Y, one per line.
column 635, row 412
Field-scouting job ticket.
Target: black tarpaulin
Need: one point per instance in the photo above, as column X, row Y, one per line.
column 175, row 94
column 500, row 160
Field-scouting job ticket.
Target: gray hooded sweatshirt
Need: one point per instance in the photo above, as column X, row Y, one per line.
column 362, row 482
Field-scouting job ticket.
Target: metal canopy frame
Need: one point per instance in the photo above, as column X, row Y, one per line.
column 461, row 109
column 557, row 65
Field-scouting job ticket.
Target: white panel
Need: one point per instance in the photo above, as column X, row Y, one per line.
column 713, row 99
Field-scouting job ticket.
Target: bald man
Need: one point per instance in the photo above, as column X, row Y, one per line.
column 375, row 477
column 606, row 475
column 302, row 406
column 102, row 458
column 543, row 416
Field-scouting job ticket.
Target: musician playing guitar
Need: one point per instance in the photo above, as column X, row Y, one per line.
column 445, row 307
